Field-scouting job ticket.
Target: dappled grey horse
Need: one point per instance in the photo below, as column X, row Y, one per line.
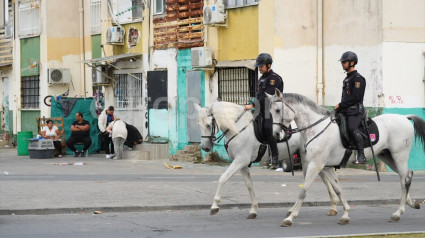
column 243, row 148
column 325, row 147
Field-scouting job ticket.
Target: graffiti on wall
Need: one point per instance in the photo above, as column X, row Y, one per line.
column 396, row 100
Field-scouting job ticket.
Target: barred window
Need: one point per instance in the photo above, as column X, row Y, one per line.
column 236, row 85
column 128, row 91
column 95, row 17
column 30, row 91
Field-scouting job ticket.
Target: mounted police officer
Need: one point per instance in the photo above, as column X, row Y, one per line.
column 267, row 83
column 351, row 104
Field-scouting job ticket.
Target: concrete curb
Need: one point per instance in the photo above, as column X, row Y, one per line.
column 85, row 210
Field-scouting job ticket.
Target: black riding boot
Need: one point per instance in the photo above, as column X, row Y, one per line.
column 361, row 159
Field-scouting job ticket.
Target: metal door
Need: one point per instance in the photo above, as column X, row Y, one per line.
column 193, row 92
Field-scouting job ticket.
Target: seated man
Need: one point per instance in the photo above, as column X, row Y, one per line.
column 79, row 133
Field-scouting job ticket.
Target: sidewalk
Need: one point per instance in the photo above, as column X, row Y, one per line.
column 43, row 186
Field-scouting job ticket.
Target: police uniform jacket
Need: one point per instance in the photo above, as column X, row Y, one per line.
column 353, row 89
column 267, row 83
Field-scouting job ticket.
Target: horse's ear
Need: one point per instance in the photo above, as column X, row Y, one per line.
column 278, row 94
column 197, row 107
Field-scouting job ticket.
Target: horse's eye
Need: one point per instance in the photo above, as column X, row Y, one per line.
column 277, row 111
column 208, row 126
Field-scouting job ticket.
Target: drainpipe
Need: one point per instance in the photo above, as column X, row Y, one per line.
column 82, row 47
column 320, row 83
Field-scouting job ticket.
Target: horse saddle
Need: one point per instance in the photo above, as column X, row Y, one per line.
column 346, row 139
column 260, row 135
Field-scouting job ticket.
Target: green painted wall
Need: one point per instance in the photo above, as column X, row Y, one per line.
column 158, row 123
column 96, row 50
column 417, row 155
column 30, row 56
column 29, row 122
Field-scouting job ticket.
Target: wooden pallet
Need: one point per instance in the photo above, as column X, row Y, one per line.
column 182, row 27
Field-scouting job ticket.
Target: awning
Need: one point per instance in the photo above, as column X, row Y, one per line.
column 250, row 64
column 112, row 58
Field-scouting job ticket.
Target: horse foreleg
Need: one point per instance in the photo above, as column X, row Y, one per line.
column 248, row 182
column 333, row 180
column 230, row 171
column 312, row 171
column 332, row 195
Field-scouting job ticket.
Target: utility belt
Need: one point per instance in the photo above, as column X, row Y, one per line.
column 356, row 109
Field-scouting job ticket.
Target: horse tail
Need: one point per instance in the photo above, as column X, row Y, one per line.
column 419, row 126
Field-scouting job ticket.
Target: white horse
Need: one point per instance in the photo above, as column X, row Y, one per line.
column 325, row 147
column 243, row 148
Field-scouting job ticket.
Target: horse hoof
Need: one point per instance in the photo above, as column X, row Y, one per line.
column 332, row 212
column 394, row 218
column 344, row 221
column 417, row 205
column 286, row 223
column 252, row 216
column 288, row 213
column 214, row 211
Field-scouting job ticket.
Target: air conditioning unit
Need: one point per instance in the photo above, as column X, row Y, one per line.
column 215, row 14
column 100, row 75
column 56, row 76
column 115, row 35
column 201, row 57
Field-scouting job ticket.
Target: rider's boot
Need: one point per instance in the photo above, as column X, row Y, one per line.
column 275, row 155
column 361, row 159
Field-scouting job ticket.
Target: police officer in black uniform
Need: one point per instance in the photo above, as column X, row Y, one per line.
column 267, row 83
column 351, row 104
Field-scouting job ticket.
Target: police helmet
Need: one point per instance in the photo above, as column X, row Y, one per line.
column 263, row 59
column 350, row 57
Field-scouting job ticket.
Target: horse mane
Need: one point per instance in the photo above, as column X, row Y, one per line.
column 226, row 114
column 301, row 99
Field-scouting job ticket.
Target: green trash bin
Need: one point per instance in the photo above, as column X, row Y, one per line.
column 23, row 141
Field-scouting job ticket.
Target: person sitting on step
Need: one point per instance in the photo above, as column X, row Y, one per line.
column 80, row 132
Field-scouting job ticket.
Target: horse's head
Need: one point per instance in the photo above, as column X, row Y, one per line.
column 281, row 112
column 208, row 127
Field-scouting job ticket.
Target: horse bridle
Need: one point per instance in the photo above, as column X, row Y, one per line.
column 212, row 137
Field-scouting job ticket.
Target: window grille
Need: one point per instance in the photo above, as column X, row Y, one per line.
column 128, row 91
column 240, row 3
column 236, row 85
column 29, row 18
column 95, row 17
column 30, row 91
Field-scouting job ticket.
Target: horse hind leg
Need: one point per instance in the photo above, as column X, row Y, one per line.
column 248, row 182
column 398, row 163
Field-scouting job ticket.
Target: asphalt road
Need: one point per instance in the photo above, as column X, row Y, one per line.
column 312, row 221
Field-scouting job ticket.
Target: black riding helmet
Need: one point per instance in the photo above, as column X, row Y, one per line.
column 349, row 57
column 263, row 59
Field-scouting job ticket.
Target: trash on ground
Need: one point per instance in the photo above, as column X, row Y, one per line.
column 300, row 185
column 6, row 173
column 76, row 163
column 97, row 212
column 172, row 167
column 283, row 185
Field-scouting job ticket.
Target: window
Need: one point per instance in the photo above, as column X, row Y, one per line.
column 30, row 91
column 158, row 7
column 29, row 18
column 236, row 85
column 240, row 3
column 128, row 91
column 126, row 10
column 95, row 17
